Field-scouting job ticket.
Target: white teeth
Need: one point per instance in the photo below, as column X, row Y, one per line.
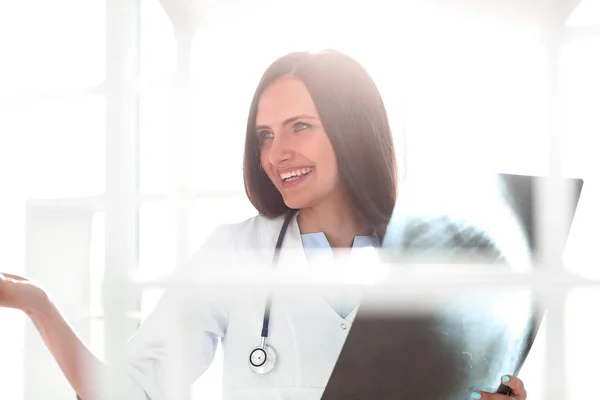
column 297, row 173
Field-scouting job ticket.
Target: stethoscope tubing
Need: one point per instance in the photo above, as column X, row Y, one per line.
column 264, row 333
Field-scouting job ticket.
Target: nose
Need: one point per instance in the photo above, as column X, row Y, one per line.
column 280, row 149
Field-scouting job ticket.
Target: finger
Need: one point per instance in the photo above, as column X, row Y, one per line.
column 11, row 276
column 517, row 388
column 481, row 395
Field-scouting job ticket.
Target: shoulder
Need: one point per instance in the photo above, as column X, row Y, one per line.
column 228, row 242
column 256, row 232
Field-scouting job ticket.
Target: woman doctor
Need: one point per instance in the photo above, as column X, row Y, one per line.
column 320, row 169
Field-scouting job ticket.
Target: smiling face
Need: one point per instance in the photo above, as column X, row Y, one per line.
column 295, row 152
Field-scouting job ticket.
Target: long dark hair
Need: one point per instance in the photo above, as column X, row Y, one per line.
column 355, row 120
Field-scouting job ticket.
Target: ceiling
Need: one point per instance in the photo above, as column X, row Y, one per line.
column 187, row 15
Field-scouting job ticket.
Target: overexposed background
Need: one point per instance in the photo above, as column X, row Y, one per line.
column 84, row 129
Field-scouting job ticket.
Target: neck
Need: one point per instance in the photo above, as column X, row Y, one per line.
column 339, row 221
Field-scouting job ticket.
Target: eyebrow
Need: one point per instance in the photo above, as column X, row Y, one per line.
column 289, row 121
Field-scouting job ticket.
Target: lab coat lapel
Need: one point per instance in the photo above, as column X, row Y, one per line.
column 293, row 260
column 292, row 252
column 304, row 294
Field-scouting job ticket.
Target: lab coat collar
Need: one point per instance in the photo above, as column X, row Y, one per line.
column 292, row 254
column 293, row 259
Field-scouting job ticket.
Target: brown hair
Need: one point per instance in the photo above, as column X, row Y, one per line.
column 355, row 120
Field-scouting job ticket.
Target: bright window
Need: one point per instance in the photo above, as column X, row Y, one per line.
column 462, row 92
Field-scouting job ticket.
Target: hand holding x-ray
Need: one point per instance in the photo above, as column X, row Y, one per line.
column 467, row 336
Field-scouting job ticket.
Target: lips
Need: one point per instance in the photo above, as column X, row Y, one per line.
column 293, row 177
column 292, row 174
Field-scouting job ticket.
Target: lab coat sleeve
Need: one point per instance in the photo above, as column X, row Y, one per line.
column 177, row 341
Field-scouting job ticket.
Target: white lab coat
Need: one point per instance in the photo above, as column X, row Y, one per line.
column 307, row 335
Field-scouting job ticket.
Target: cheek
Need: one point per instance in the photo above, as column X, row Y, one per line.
column 266, row 165
column 331, row 176
column 264, row 158
column 327, row 158
column 331, row 160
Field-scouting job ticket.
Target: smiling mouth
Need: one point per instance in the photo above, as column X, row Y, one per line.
column 292, row 176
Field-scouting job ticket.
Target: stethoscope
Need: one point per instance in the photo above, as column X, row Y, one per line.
column 264, row 357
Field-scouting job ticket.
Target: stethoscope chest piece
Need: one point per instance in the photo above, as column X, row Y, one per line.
column 263, row 359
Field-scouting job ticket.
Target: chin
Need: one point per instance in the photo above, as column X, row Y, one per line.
column 296, row 202
column 295, row 205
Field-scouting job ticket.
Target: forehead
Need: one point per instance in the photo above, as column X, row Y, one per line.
column 286, row 97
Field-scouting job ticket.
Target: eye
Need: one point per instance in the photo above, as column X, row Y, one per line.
column 264, row 135
column 301, row 126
